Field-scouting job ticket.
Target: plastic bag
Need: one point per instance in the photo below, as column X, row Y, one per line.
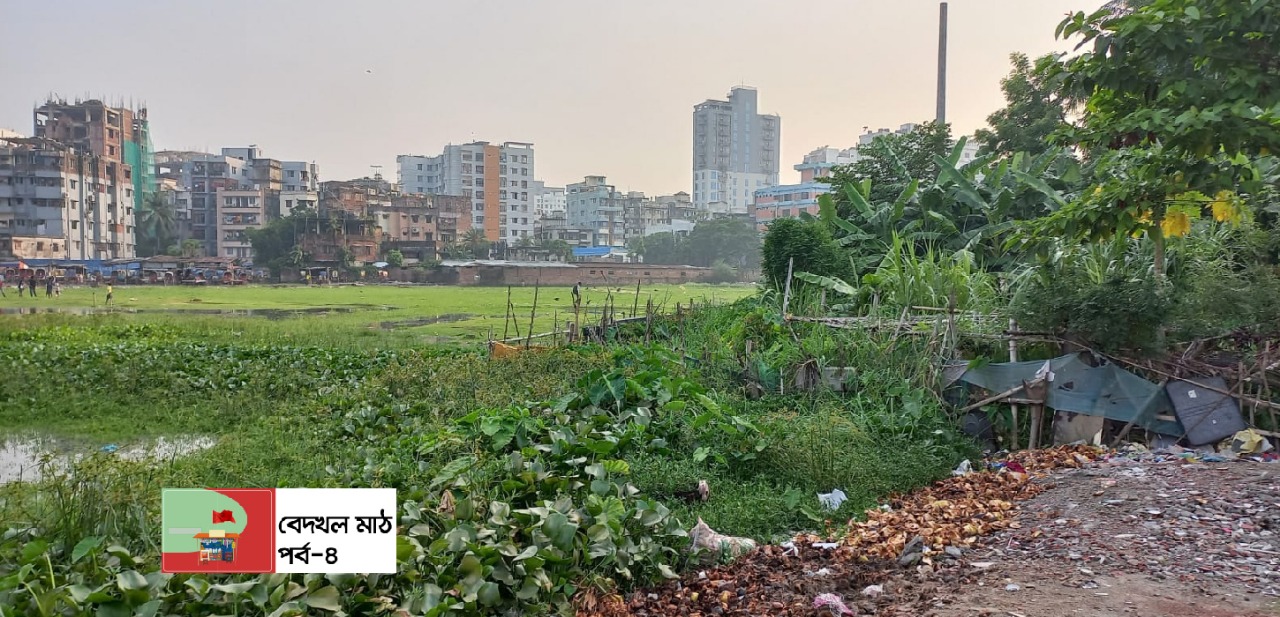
column 832, row 500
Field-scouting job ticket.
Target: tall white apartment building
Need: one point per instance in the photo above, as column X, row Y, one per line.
column 550, row 200
column 735, row 151
column 498, row 179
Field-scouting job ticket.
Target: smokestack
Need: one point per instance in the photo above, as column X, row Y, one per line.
column 941, row 116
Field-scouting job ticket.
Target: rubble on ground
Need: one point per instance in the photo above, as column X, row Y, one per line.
column 1082, row 512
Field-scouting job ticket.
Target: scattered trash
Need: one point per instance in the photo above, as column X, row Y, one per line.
column 789, row 548
column 963, row 468
column 714, row 545
column 819, row 572
column 109, row 448
column 872, row 591
column 1012, row 587
column 1247, row 441
column 831, row 602
column 1089, row 585
column 826, row 546
column 832, row 500
column 982, row 565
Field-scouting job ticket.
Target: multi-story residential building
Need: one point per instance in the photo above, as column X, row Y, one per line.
column 596, row 205
column 202, row 175
column 119, row 136
column 548, row 200
column 419, row 225
column 786, row 201
column 239, row 210
column 820, row 162
column 735, row 151
column 59, row 202
column 498, row 179
column 556, row 226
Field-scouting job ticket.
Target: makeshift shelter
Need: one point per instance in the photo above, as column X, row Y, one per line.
column 1080, row 383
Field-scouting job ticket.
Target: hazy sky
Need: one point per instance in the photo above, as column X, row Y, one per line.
column 601, row 87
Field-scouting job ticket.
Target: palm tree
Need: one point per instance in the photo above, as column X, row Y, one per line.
column 477, row 242
column 158, row 219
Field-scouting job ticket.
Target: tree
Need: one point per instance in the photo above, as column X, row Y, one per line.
column 558, row 248
column 395, row 258
column 734, row 241
column 1181, row 97
column 1034, row 111
column 663, row 249
column 192, row 248
column 892, row 161
column 157, row 220
column 476, row 241
column 810, row 244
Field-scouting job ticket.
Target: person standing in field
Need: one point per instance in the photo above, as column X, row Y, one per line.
column 110, row 291
column 2, row 287
column 48, row 286
column 577, row 296
column 57, row 288
column 31, row 284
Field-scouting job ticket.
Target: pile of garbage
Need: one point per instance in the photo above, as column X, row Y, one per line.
column 957, row 511
column 811, row 573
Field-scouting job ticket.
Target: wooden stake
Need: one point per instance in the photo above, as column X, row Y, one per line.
column 537, row 284
column 506, row 318
column 786, row 294
column 1013, row 357
column 635, row 306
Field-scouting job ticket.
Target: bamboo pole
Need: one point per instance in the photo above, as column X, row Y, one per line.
column 786, row 294
column 506, row 317
column 635, row 306
column 537, row 285
column 1013, row 409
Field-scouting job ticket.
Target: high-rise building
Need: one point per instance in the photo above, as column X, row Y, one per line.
column 735, row 151
column 498, row 179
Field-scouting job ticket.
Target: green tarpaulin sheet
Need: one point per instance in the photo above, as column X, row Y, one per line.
column 1080, row 383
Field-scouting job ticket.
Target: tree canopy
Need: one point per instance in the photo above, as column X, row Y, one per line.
column 1182, row 97
column 1033, row 112
column 892, row 161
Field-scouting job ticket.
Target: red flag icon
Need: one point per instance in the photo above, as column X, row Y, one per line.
column 224, row 516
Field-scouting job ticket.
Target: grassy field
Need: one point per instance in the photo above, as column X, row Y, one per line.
column 407, row 314
column 615, row 436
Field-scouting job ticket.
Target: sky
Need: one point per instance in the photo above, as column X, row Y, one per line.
column 600, row 87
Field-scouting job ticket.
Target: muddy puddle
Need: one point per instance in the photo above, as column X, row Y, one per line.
column 24, row 458
column 424, row 321
column 272, row 314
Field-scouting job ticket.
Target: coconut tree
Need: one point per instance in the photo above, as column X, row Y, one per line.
column 157, row 220
column 476, row 241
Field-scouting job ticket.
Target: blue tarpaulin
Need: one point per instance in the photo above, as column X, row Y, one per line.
column 1081, row 383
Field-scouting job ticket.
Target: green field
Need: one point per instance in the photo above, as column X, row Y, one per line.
column 382, row 314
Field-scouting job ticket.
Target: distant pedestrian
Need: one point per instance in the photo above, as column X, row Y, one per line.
column 2, row 287
column 31, row 285
column 57, row 288
column 110, row 291
column 577, row 295
column 48, row 286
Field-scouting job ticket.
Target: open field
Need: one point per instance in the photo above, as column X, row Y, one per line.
column 387, row 314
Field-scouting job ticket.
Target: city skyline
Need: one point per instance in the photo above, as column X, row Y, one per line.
column 351, row 88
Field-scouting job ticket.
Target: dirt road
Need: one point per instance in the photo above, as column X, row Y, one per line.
column 1154, row 537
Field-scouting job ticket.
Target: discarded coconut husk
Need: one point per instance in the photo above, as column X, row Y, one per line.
column 707, row 542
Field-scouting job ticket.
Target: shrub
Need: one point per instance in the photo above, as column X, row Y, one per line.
column 811, row 245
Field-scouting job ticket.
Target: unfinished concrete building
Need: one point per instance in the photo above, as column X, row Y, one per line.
column 58, row 202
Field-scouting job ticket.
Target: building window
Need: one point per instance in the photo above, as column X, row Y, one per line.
column 479, row 169
column 419, row 166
